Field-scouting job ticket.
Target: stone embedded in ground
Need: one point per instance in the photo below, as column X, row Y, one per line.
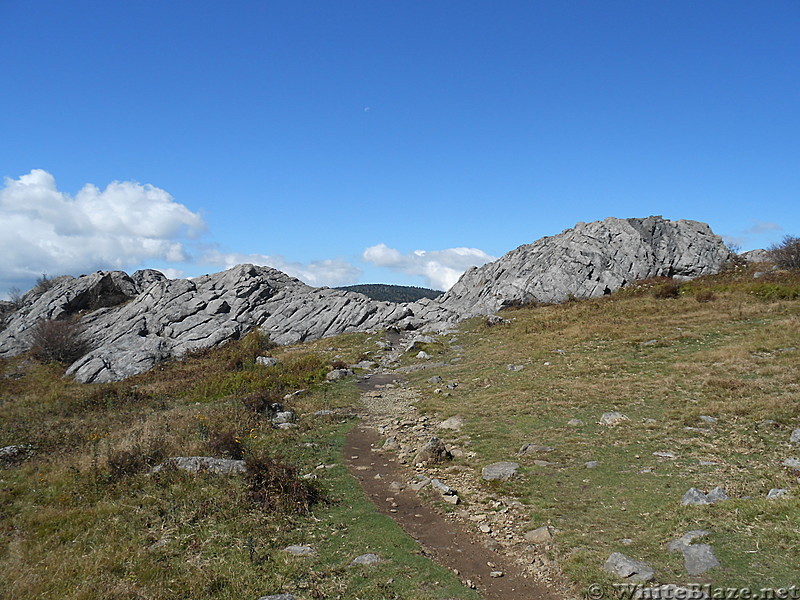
column 10, row 455
column 391, row 443
column 531, row 448
column 795, row 437
column 338, row 374
column 707, row 419
column 419, row 341
column 613, row 418
column 202, row 464
column 300, row 550
column 697, row 558
column 592, row 464
column 422, row 355
column 267, row 361
column 574, row 422
column 278, row 597
column 419, row 482
column 627, row 568
column 324, row 413
column 777, row 493
column 515, row 367
column 368, row 559
column 454, row 423
column 284, row 416
column 500, row 471
column 540, row 535
column 664, row 454
column 695, row 496
column 435, row 379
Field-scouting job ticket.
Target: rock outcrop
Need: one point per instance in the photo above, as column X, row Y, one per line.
column 135, row 321
column 587, row 261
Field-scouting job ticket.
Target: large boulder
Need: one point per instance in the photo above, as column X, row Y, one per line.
column 587, row 261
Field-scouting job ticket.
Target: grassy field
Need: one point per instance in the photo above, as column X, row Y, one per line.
column 85, row 518
column 726, row 347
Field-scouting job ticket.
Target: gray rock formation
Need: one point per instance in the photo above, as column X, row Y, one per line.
column 500, row 471
column 628, row 568
column 202, row 464
column 135, row 321
column 697, row 558
column 587, row 261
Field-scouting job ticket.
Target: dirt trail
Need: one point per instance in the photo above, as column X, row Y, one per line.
column 498, row 564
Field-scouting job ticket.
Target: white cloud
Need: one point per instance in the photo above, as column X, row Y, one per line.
column 44, row 230
column 328, row 272
column 763, row 227
column 440, row 268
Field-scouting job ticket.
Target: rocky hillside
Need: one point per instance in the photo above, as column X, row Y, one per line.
column 135, row 321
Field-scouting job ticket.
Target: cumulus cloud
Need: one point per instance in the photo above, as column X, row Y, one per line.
column 328, row 272
column 45, row 230
column 440, row 268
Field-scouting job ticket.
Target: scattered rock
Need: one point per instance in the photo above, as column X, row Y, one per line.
column 496, row 574
column 454, row 423
column 368, row 559
column 664, row 454
column 709, row 420
column 500, row 471
column 791, row 463
column 435, row 379
column 324, row 413
column 670, row 592
column 284, row 416
column 613, row 418
column 267, row 361
column 575, row 423
column 419, row 341
column 391, row 443
column 434, row 452
column 12, row 455
column 592, row 464
column 202, row 464
column 531, row 448
column 697, row 558
column 419, row 482
column 515, row 367
column 422, row 355
column 278, row 597
column 795, row 437
column 632, row 570
column 695, row 496
column 777, row 493
column 298, row 550
column 338, row 374
column 541, row 535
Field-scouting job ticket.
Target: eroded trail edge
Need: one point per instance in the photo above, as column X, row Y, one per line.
column 481, row 539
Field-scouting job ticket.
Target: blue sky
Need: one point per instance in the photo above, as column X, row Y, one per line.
column 376, row 141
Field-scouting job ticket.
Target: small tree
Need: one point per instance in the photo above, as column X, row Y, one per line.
column 15, row 297
column 61, row 341
column 786, row 254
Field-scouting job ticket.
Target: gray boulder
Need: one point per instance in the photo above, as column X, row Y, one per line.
column 433, row 452
column 267, row 361
column 695, row 496
column 202, row 464
column 587, row 261
column 627, row 568
column 13, row 455
column 500, row 471
column 697, row 558
column 368, row 559
column 795, row 437
column 278, row 597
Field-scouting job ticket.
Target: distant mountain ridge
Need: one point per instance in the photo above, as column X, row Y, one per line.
column 392, row 293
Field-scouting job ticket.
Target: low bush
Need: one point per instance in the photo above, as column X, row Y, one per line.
column 261, row 402
column 667, row 289
column 705, row 296
column 277, row 487
column 61, row 341
column 226, row 443
column 130, row 461
column 786, row 254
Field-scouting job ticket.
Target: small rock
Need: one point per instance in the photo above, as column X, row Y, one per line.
column 451, row 498
column 418, row 484
column 440, row 487
column 11, row 455
column 540, row 535
column 496, row 574
column 202, row 464
column 434, row 452
column 423, row 355
column 592, row 464
column 484, row 528
column 278, row 597
column 286, row 416
column 613, row 418
column 632, row 570
column 664, row 454
column 534, row 449
column 338, row 374
column 500, row 471
column 286, row 425
column 451, row 386
column 435, row 379
column 391, row 443
column 298, row 550
column 575, row 423
column 454, row 423
column 649, row 343
column 368, row 559
column 515, row 367
column 267, row 361
column 695, row 496
column 795, row 437
column 791, row 463
column 324, row 413
column 777, row 493
column 709, row 420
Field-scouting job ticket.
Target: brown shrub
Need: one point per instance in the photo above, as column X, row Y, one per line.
column 786, row 254
column 705, row 296
column 226, row 443
column 61, row 341
column 276, row 486
column 339, row 364
column 261, row 402
column 667, row 289
column 129, row 461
